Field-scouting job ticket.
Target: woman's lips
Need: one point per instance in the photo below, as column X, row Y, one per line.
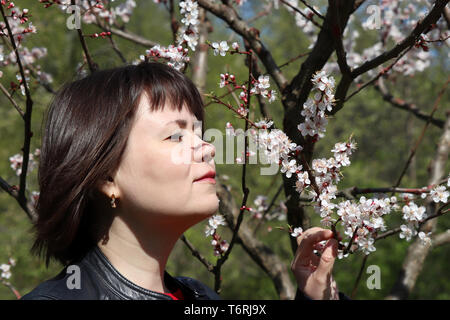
column 208, row 180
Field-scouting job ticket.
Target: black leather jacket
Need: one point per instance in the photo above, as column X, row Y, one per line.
column 101, row 281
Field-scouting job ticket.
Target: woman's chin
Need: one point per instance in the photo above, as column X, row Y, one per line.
column 206, row 210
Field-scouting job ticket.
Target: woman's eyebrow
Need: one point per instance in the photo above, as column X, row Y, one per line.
column 181, row 122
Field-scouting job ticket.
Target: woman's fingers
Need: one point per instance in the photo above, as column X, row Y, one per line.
column 317, row 281
column 308, row 239
column 327, row 259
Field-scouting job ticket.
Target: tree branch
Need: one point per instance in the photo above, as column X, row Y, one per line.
column 420, row 28
column 408, row 42
column 21, row 198
column 301, row 13
column 402, row 104
column 417, row 253
column 197, row 254
column 441, row 239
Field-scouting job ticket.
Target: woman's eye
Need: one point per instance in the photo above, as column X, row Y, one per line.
column 175, row 137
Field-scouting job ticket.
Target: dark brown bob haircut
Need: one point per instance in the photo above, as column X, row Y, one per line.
column 85, row 133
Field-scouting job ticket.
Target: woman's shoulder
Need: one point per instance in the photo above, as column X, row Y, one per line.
column 67, row 285
column 46, row 290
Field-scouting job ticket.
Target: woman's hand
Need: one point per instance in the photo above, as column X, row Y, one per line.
column 313, row 273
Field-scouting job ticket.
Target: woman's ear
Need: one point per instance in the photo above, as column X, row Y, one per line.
column 107, row 186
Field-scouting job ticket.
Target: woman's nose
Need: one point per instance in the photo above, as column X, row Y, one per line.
column 204, row 151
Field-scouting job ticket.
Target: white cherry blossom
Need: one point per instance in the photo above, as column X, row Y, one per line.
column 220, row 48
column 439, row 194
column 296, row 232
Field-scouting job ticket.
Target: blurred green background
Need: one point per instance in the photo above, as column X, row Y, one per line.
column 384, row 135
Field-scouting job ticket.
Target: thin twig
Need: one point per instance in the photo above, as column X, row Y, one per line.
column 301, row 13
column 10, row 98
column 317, row 13
column 382, row 72
column 13, row 289
column 197, row 254
column 92, row 65
column 413, row 151
column 402, row 104
column 245, row 190
column 389, row 233
column 301, row 55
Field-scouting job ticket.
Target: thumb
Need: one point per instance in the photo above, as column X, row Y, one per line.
column 327, row 258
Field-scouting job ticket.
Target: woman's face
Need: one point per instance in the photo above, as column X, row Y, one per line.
column 163, row 158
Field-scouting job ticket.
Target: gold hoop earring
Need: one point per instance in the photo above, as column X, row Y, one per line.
column 113, row 201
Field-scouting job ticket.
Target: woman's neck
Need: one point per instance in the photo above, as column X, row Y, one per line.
column 139, row 252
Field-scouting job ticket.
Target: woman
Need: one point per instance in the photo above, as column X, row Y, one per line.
column 115, row 197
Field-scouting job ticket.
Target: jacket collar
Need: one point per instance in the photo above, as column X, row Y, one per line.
column 126, row 289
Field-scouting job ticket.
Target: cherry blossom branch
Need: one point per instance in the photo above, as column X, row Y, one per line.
column 116, row 49
column 92, row 65
column 440, row 212
column 347, row 249
column 233, row 94
column 13, row 192
column 215, row 99
column 436, row 241
column 417, row 252
column 256, row 73
column 408, row 42
column 107, row 28
column 21, row 198
column 229, row 106
column 245, row 190
column 420, row 28
column 305, row 163
column 229, row 16
column 31, row 68
column 353, row 191
column 378, row 76
column 402, row 104
column 298, row 90
column 127, row 35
